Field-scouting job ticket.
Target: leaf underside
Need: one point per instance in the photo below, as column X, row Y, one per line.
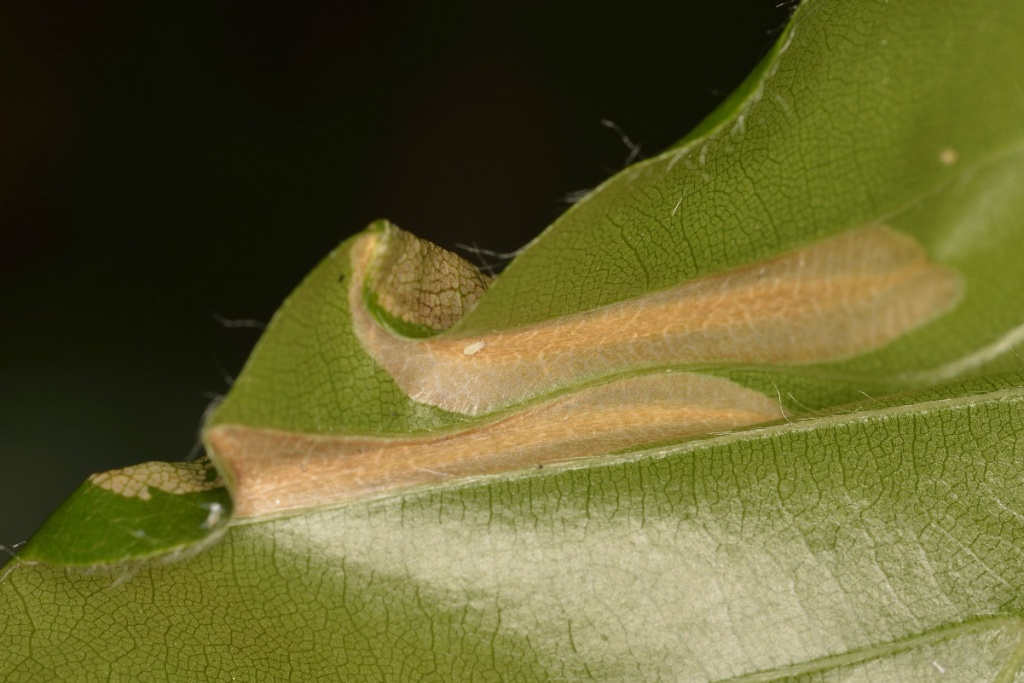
column 872, row 533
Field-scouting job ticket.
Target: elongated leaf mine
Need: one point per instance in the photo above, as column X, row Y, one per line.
column 831, row 300
column 604, row 371
column 276, row 471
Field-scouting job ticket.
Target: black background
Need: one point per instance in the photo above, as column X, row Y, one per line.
column 162, row 163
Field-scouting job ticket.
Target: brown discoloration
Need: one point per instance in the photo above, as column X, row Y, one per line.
column 832, row 300
column 840, row 297
column 276, row 471
column 172, row 477
column 421, row 283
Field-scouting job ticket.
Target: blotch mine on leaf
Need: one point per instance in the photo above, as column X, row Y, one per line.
column 276, row 471
column 831, row 300
column 171, row 477
column 416, row 284
column 592, row 383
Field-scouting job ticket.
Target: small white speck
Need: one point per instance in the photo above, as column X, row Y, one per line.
column 473, row 348
column 948, row 156
column 213, row 516
column 938, row 667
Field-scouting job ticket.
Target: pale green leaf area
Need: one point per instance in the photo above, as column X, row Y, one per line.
column 875, row 532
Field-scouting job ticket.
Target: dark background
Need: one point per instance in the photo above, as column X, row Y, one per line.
column 162, row 163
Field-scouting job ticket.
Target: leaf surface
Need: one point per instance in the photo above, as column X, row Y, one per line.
column 882, row 539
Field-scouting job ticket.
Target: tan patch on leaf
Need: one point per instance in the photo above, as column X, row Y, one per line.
column 171, row 477
column 421, row 283
column 835, row 299
column 275, row 471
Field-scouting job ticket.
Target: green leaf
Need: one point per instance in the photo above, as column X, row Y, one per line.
column 149, row 510
column 542, row 487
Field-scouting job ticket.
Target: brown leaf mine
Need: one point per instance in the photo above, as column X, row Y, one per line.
column 584, row 384
column 417, row 284
column 831, row 300
column 276, row 471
